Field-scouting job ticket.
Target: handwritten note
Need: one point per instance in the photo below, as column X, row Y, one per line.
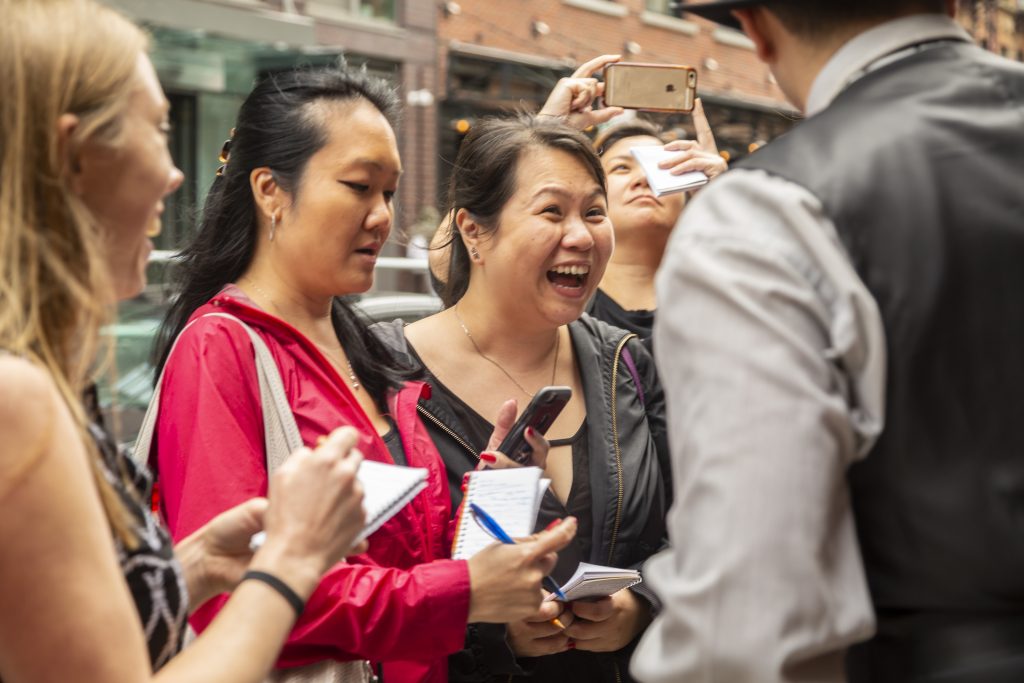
column 511, row 496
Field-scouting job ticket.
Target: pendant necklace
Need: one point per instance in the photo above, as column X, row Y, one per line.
column 554, row 364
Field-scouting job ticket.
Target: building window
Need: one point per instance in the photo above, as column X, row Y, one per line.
column 379, row 10
column 375, row 9
column 661, row 6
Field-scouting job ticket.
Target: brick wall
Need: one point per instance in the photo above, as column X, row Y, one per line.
column 578, row 30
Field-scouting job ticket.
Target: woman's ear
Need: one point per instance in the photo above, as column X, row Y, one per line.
column 267, row 194
column 67, row 156
column 469, row 232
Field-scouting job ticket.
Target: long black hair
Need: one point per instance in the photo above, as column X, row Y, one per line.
column 276, row 129
column 485, row 178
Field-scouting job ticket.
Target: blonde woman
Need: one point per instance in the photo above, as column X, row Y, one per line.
column 88, row 580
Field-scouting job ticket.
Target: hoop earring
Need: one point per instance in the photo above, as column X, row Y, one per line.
column 273, row 225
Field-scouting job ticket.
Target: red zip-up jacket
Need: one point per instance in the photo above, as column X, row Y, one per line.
column 402, row 603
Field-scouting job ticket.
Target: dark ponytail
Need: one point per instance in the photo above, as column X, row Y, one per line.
column 276, row 128
column 485, row 175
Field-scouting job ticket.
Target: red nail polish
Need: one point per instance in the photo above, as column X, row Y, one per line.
column 531, row 432
column 571, row 645
column 553, row 524
column 488, row 457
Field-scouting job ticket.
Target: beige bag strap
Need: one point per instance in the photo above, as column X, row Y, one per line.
column 281, row 437
column 280, row 431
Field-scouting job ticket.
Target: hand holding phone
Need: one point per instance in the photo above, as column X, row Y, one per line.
column 652, row 87
column 540, row 414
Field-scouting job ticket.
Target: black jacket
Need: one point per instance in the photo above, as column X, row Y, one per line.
column 629, row 478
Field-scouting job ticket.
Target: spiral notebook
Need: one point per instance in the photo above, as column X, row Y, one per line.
column 594, row 581
column 386, row 490
column 510, row 496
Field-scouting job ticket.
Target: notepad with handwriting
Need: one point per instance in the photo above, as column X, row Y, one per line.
column 594, row 581
column 510, row 496
column 660, row 180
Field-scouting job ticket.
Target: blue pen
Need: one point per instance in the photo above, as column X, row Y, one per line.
column 494, row 530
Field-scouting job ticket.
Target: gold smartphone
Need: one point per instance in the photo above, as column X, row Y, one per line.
column 652, row 87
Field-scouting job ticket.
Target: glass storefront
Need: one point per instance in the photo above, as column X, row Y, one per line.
column 206, row 78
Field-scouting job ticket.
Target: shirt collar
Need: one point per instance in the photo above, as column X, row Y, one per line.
column 854, row 58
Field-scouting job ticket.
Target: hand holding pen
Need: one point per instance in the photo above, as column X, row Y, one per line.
column 505, row 578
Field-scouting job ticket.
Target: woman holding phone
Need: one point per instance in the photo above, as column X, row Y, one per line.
column 643, row 221
column 528, row 241
column 91, row 587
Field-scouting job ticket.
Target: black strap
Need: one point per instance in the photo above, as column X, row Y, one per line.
column 297, row 603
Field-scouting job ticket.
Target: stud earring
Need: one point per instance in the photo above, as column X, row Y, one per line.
column 273, row 225
column 474, row 254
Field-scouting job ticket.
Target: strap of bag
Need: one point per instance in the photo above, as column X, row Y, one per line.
column 280, row 431
column 281, row 437
column 627, row 358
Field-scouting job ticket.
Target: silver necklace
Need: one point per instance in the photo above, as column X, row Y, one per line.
column 353, row 380
column 554, row 364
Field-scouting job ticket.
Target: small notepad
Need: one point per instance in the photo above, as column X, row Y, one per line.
column 594, row 581
column 661, row 181
column 386, row 490
column 510, row 496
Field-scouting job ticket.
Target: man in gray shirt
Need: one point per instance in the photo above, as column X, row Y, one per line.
column 865, row 268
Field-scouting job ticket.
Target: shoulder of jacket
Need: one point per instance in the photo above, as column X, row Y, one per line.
column 392, row 334
column 606, row 337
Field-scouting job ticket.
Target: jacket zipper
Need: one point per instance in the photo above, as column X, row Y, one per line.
column 458, row 439
column 618, row 450
column 618, row 674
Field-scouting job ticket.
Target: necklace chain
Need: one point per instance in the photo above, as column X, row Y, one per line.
column 554, row 364
column 351, row 372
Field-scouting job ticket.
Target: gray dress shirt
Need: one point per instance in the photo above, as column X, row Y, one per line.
column 772, row 355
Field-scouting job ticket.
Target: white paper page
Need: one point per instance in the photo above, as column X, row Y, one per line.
column 662, row 182
column 592, row 581
column 509, row 496
column 386, row 490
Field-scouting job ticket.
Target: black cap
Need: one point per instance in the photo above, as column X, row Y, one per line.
column 720, row 11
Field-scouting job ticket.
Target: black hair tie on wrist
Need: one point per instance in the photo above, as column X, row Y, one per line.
column 281, row 587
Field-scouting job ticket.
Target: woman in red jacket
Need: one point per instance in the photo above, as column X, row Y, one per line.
column 296, row 217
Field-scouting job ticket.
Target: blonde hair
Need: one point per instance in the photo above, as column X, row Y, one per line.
column 59, row 57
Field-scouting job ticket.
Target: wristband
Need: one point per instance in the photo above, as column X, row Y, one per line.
column 281, row 587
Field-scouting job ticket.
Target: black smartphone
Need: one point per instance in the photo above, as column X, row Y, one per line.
column 539, row 414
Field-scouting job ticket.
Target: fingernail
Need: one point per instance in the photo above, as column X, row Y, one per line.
column 531, row 432
column 489, row 457
column 571, row 645
column 553, row 524
column 320, row 440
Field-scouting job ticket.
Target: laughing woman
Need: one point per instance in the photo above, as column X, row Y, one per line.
column 529, row 241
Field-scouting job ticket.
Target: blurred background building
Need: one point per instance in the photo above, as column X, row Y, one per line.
column 453, row 62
